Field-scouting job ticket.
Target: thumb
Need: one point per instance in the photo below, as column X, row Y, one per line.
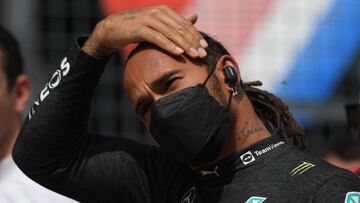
column 192, row 18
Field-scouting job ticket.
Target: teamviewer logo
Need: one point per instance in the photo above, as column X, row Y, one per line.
column 247, row 158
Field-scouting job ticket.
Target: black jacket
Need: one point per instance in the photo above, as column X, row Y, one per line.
column 55, row 149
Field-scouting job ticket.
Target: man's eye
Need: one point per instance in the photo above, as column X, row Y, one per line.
column 171, row 81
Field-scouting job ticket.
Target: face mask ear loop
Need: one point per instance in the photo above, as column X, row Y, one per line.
column 229, row 102
column 208, row 77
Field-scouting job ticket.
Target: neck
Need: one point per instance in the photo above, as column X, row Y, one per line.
column 7, row 142
column 247, row 128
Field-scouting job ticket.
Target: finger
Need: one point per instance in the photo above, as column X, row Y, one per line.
column 178, row 36
column 192, row 18
column 186, row 29
column 184, row 23
column 154, row 37
column 173, row 35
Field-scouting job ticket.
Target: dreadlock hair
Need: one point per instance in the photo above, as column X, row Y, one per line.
column 272, row 111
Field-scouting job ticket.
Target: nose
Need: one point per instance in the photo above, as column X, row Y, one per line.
column 157, row 97
column 153, row 95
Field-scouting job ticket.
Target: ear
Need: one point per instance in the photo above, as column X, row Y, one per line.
column 227, row 60
column 20, row 93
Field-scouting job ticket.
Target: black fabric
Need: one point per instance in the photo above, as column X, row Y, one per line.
column 55, row 149
column 194, row 140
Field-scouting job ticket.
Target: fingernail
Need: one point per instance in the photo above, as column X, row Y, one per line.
column 194, row 52
column 203, row 43
column 179, row 50
column 202, row 52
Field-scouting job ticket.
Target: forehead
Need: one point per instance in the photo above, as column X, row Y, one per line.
column 150, row 62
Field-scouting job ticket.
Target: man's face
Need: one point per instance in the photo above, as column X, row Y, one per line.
column 6, row 114
column 151, row 74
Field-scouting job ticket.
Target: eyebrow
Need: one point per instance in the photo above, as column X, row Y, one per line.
column 157, row 84
column 164, row 78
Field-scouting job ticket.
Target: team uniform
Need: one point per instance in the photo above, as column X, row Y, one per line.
column 55, row 149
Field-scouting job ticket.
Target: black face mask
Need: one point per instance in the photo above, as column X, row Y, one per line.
column 190, row 124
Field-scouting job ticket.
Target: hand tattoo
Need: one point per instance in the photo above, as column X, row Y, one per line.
column 128, row 18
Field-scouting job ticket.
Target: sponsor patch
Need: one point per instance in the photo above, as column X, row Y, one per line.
column 300, row 169
column 247, row 158
column 55, row 80
column 189, row 196
column 352, row 197
column 255, row 199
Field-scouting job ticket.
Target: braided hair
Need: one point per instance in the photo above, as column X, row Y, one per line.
column 275, row 114
column 272, row 111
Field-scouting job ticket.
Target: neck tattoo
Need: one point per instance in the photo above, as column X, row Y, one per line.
column 247, row 131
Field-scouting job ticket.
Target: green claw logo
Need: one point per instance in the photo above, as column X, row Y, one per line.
column 301, row 168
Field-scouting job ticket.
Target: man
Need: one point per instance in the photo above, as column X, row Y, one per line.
column 220, row 140
column 344, row 150
column 15, row 187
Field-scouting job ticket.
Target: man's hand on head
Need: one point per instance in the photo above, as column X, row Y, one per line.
column 158, row 25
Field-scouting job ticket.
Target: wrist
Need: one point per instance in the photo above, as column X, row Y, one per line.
column 93, row 47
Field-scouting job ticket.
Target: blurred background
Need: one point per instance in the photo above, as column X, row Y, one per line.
column 307, row 52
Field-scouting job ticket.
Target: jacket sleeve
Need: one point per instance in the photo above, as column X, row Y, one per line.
column 55, row 149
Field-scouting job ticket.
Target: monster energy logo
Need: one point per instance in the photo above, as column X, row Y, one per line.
column 301, row 168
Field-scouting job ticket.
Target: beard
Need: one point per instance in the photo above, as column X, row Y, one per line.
column 218, row 93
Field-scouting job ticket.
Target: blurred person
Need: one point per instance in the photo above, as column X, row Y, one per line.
column 344, row 149
column 15, row 187
column 344, row 153
column 221, row 140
